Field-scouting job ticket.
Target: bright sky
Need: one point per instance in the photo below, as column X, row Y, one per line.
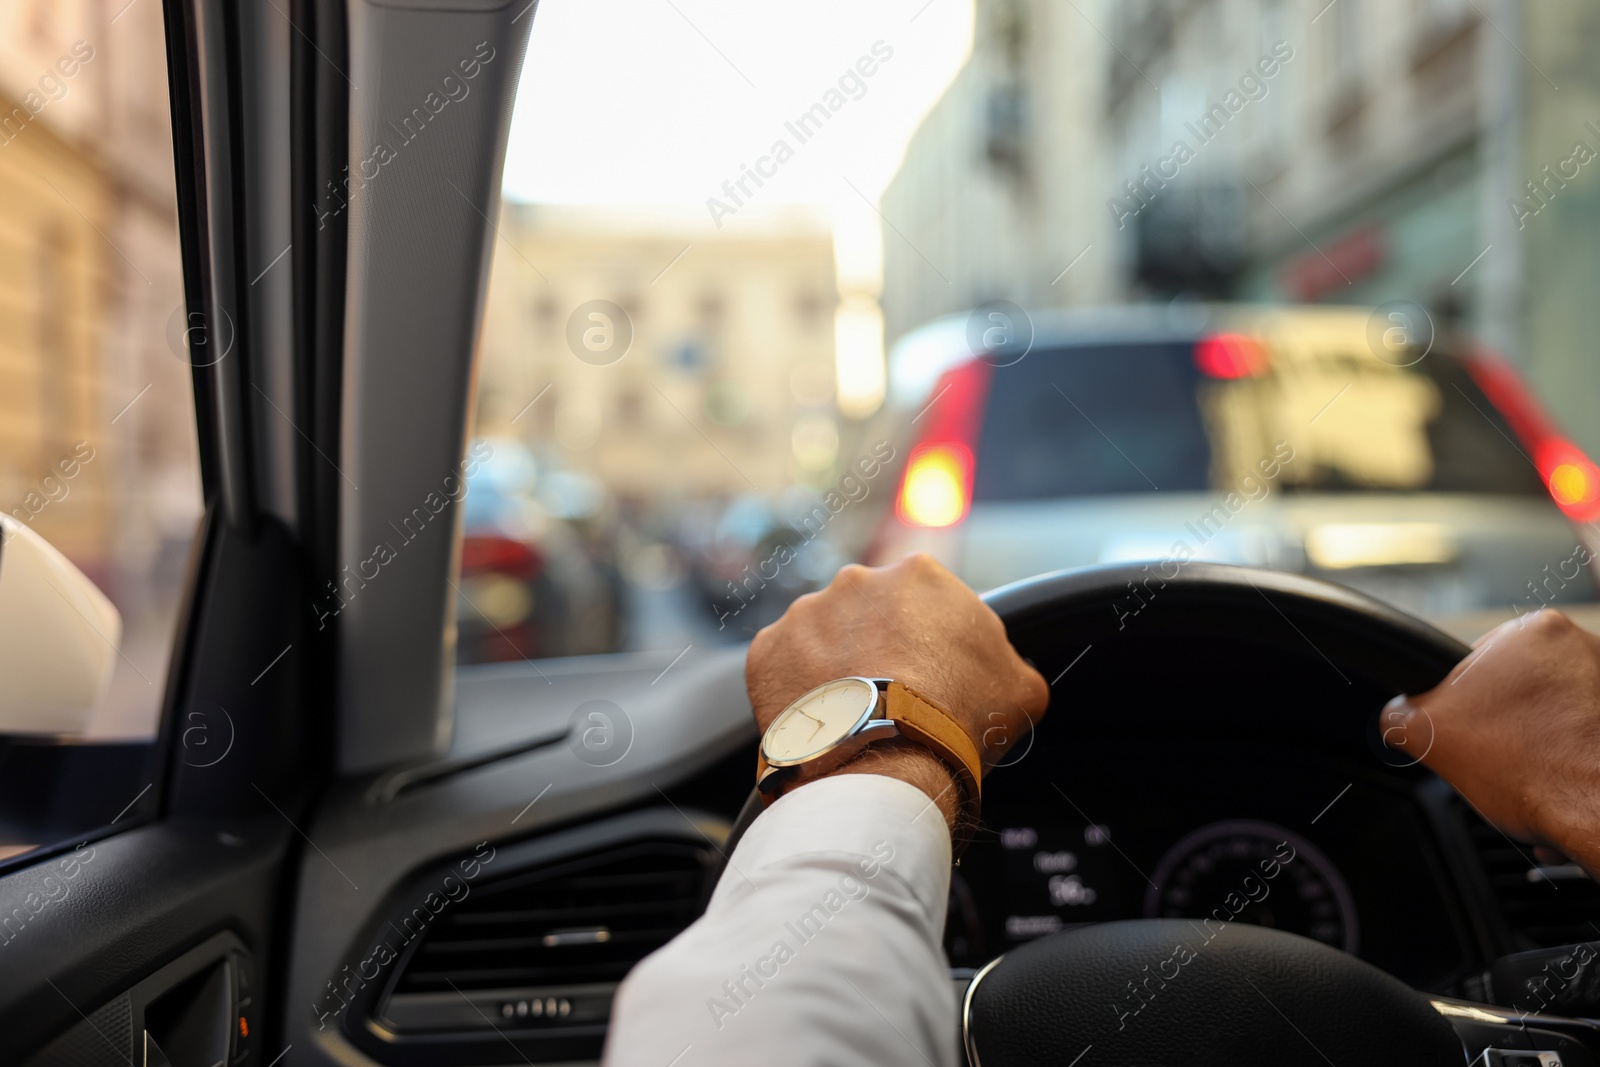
column 659, row 102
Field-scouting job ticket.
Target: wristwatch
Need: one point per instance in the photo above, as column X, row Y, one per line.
column 827, row 727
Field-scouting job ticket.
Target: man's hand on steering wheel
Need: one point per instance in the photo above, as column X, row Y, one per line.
column 1515, row 727
column 915, row 622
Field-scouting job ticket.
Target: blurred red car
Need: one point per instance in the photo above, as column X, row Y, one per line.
column 538, row 576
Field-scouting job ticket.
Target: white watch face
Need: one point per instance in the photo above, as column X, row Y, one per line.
column 819, row 720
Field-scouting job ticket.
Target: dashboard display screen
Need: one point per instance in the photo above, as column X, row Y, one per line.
column 1057, row 877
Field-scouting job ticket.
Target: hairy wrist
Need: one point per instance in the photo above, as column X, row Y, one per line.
column 911, row 763
column 1572, row 833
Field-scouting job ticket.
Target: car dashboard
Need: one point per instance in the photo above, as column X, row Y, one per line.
column 1172, row 777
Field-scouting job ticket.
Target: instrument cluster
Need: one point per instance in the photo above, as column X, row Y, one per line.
column 1216, row 837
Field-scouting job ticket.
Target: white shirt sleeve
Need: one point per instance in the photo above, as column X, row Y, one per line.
column 822, row 944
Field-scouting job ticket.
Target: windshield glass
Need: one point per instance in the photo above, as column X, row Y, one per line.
column 744, row 254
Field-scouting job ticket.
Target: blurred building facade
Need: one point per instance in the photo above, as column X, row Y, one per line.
column 1355, row 152
column 97, row 442
column 1000, row 191
column 662, row 357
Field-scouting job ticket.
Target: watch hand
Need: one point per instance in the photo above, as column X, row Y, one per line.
column 818, row 730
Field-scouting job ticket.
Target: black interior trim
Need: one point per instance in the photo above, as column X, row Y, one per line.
column 189, row 1006
column 189, row 178
column 319, row 135
column 404, row 781
column 234, row 380
column 144, row 898
column 249, row 609
column 186, row 632
column 201, row 59
column 462, row 1049
column 318, row 121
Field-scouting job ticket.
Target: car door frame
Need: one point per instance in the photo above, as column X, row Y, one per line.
column 201, row 870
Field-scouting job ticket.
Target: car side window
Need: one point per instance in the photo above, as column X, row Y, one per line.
column 98, row 454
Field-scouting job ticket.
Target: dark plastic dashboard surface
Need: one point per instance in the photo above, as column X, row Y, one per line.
column 376, row 844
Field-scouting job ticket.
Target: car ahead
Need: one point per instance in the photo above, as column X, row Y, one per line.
column 1334, row 442
column 535, row 579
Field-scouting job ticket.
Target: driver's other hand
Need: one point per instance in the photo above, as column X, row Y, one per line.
column 913, row 622
column 1516, row 729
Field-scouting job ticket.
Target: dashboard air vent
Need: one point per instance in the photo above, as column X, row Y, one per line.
column 546, row 948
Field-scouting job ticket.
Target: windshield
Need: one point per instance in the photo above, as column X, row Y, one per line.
column 743, row 253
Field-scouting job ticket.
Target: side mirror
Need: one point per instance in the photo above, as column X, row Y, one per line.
column 58, row 637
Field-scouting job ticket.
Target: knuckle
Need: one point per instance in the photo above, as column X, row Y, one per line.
column 1036, row 691
column 801, row 607
column 1551, row 622
column 925, row 565
column 761, row 643
column 852, row 572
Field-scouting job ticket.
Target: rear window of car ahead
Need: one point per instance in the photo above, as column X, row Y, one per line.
column 1105, row 419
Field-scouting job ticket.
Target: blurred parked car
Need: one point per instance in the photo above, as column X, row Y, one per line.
column 538, row 572
column 752, row 555
column 1345, row 443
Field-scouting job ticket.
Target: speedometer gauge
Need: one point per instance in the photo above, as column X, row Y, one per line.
column 1258, row 873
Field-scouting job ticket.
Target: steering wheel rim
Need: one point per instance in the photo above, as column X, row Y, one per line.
column 1114, row 601
column 1067, row 976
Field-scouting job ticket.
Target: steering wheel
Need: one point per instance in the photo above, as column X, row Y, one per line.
column 1161, row 990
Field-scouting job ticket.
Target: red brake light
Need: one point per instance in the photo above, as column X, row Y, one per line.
column 1571, row 476
column 1231, row 355
column 936, row 490
column 936, row 487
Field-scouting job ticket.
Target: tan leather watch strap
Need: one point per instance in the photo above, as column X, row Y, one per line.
column 925, row 722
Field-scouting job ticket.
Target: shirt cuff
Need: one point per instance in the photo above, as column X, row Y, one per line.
column 865, row 817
